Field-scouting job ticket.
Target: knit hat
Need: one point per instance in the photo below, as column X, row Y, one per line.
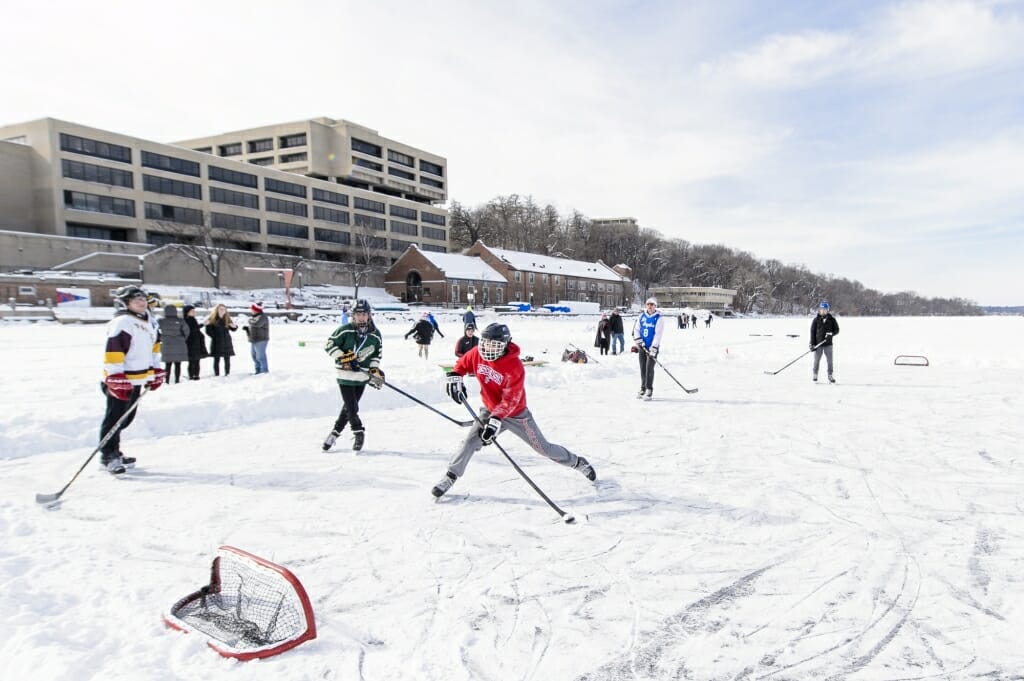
column 824, row 305
column 652, row 301
column 256, row 308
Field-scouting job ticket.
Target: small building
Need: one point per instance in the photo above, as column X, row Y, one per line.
column 699, row 297
column 444, row 278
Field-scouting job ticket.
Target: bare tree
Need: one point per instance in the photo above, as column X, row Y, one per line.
column 211, row 247
column 369, row 255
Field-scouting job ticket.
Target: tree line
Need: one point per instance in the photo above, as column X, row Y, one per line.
column 764, row 286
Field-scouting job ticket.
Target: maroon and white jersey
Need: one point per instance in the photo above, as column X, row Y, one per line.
column 133, row 348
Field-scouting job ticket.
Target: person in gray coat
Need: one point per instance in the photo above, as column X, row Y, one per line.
column 258, row 332
column 173, row 342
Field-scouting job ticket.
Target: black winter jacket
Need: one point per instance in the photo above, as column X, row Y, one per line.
column 616, row 322
column 821, row 326
column 423, row 332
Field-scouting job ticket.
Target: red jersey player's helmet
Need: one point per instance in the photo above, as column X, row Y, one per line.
column 494, row 341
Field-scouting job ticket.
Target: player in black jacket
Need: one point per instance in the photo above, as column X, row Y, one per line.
column 467, row 342
column 823, row 329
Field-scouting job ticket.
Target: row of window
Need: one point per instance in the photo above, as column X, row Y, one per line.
column 570, row 284
column 88, row 147
column 99, row 204
column 257, row 146
column 286, row 207
column 88, row 172
column 186, row 216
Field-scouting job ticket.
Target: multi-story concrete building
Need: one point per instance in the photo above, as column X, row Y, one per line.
column 90, row 183
column 700, row 297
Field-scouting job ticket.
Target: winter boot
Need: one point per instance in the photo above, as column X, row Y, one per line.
column 831, row 379
column 357, row 444
column 331, row 439
column 640, row 395
column 446, row 484
column 814, row 378
column 127, row 461
column 583, row 466
column 650, row 395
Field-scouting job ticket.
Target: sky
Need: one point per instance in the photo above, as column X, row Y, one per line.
column 879, row 141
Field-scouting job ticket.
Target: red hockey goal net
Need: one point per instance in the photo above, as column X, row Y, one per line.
column 251, row 608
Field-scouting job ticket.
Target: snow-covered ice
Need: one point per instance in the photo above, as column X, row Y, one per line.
column 764, row 528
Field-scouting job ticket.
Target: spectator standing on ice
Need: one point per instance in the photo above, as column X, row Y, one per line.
column 219, row 328
column 468, row 318
column 604, row 335
column 131, row 360
column 823, row 329
column 618, row 334
column 356, row 349
column 646, row 340
column 174, row 332
column 195, row 341
column 467, row 342
column 258, row 331
column 496, row 364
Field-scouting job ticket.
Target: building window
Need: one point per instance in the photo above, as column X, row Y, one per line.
column 571, row 284
column 370, row 222
column 294, row 158
column 404, row 228
column 164, row 213
column 373, row 242
column 518, row 276
column 401, row 173
column 432, row 218
column 401, row 159
column 431, row 183
column 204, row 150
column 81, row 231
column 240, row 223
column 402, row 212
column 519, row 294
column 499, row 294
column 160, row 239
column 435, row 248
column 218, row 195
column 532, row 277
column 88, row 147
column 434, row 233
column 330, row 197
column 365, row 148
column 363, row 163
column 455, row 292
column 367, row 204
column 400, row 245
column 163, row 185
column 99, row 204
column 262, row 161
column 233, row 149
column 231, row 176
column 286, row 229
column 556, row 280
column 170, row 164
column 286, row 207
column 280, row 187
column 432, row 168
column 331, row 236
column 256, row 146
column 544, row 278
column 592, row 286
column 289, row 141
column 76, row 170
column 330, row 215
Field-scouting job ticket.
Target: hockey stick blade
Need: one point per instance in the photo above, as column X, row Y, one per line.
column 47, row 498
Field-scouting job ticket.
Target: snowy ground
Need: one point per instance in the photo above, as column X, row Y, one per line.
column 763, row 528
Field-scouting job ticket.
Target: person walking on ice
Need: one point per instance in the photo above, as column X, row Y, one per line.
column 423, row 333
column 823, row 329
column 495, row 363
column 646, row 340
column 356, row 350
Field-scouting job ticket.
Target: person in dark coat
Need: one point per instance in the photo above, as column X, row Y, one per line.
column 604, row 335
column 173, row 342
column 219, row 328
column 823, row 329
column 618, row 337
column 467, row 342
column 194, row 341
column 468, row 318
column 422, row 332
column 258, row 331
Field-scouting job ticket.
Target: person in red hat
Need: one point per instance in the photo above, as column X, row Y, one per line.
column 258, row 332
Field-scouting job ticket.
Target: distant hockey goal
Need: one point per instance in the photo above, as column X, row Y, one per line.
column 251, row 608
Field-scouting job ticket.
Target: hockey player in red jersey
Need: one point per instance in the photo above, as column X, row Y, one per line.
column 495, row 363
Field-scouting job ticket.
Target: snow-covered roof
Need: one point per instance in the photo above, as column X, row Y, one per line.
column 463, row 267
column 531, row 262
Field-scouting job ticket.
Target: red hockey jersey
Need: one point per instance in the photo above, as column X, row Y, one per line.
column 501, row 382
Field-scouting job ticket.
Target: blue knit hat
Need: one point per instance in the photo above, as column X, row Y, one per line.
column 824, row 305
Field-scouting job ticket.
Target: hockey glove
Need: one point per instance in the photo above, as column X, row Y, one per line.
column 159, row 376
column 455, row 388
column 810, row 346
column 345, row 360
column 653, row 352
column 638, row 343
column 490, row 430
column 376, row 378
column 633, row 348
column 119, row 387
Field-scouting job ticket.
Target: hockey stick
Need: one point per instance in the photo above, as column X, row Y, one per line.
column 772, row 373
column 689, row 391
column 50, row 498
column 415, row 399
column 567, row 517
